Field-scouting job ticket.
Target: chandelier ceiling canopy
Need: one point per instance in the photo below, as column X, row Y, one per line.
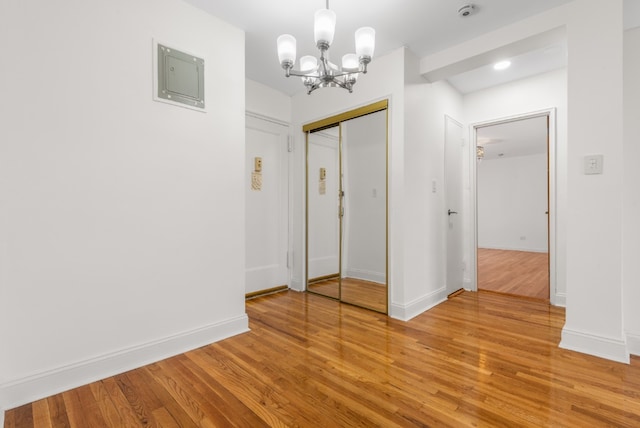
column 320, row 72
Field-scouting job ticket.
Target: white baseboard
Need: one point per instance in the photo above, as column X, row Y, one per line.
column 603, row 347
column 26, row 390
column 560, row 300
column 366, row 275
column 297, row 284
column 417, row 306
column 527, row 250
column 633, row 344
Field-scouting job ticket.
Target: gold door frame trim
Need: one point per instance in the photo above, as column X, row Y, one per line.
column 352, row 114
column 330, row 122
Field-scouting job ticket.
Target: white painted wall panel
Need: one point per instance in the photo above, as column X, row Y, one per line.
column 631, row 201
column 122, row 218
column 512, row 201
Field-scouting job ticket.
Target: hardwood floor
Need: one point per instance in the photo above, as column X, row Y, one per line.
column 519, row 273
column 367, row 294
column 363, row 293
column 478, row 359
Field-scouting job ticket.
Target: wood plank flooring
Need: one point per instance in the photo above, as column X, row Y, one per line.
column 367, row 294
column 371, row 295
column 478, row 359
column 520, row 273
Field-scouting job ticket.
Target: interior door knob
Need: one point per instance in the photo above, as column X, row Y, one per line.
column 452, row 212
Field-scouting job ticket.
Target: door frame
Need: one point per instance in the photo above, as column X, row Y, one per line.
column 285, row 184
column 472, row 238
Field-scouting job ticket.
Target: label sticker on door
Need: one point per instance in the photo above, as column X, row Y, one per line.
column 256, row 181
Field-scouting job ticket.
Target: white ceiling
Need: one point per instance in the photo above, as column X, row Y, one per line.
column 424, row 26
column 511, row 139
column 538, row 61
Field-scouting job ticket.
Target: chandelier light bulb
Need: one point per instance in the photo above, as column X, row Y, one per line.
column 350, row 62
column 287, row 50
column 365, row 42
column 308, row 64
column 324, row 28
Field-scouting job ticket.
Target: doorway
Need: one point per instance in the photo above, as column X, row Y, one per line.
column 513, row 238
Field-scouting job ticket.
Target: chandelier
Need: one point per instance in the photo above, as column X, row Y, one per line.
column 321, row 73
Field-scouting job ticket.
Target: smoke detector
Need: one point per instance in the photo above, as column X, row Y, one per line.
column 466, row 10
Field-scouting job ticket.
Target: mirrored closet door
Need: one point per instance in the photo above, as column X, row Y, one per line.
column 347, row 207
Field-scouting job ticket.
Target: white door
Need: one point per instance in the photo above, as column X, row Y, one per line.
column 266, row 196
column 454, row 145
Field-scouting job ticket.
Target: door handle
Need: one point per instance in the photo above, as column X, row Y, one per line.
column 452, row 212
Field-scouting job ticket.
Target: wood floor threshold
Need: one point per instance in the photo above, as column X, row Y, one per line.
column 265, row 292
column 455, row 293
column 515, row 296
column 335, row 276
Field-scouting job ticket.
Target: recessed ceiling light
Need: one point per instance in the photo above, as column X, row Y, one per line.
column 502, row 65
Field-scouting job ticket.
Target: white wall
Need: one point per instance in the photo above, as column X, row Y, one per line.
column 425, row 216
column 512, row 201
column 265, row 101
column 544, row 91
column 631, row 196
column 122, row 218
column 594, row 320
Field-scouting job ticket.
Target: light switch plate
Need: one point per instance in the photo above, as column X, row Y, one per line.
column 593, row 164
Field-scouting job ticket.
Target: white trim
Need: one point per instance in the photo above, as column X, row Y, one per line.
column 273, row 120
column 633, row 344
column 560, row 300
column 524, row 250
column 45, row 384
column 297, row 284
column 603, row 347
column 417, row 306
column 555, row 298
column 366, row 275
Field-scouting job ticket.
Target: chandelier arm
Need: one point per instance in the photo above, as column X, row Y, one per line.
column 298, row 73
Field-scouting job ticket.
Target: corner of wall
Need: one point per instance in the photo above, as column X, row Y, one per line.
column 599, row 346
column 416, row 307
column 560, row 300
column 633, row 344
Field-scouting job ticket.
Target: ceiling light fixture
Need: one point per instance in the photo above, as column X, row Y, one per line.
column 502, row 65
column 479, row 152
column 321, row 73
